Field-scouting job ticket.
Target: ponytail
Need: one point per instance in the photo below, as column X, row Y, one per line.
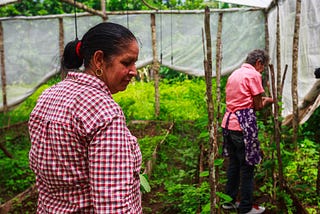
column 72, row 58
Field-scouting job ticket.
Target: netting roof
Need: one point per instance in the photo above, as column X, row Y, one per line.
column 32, row 54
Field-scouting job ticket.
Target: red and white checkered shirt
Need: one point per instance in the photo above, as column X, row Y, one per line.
column 84, row 157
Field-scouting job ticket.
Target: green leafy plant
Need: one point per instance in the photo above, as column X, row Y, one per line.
column 174, row 180
column 15, row 176
column 145, row 186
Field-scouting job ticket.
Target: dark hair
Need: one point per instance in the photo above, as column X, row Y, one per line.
column 317, row 73
column 258, row 54
column 109, row 37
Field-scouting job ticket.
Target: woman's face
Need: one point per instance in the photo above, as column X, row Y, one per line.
column 259, row 66
column 117, row 75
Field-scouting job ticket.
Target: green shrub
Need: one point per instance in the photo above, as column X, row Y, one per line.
column 15, row 176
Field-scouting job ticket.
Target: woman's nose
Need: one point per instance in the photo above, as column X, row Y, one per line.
column 133, row 71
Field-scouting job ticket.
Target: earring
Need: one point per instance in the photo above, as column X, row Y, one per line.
column 98, row 72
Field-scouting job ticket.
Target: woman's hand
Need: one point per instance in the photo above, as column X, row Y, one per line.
column 267, row 101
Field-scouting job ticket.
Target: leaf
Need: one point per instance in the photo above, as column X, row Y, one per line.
column 204, row 174
column 226, row 198
column 206, row 208
column 144, row 184
column 218, row 162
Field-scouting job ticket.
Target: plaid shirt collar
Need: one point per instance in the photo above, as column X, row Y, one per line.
column 87, row 79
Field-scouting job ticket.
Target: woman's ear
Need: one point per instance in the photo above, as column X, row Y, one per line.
column 98, row 59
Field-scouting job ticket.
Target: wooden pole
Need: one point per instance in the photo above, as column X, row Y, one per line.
column 155, row 65
column 85, row 8
column 266, row 32
column 294, row 81
column 202, row 148
column 278, row 40
column 218, row 92
column 276, row 90
column 267, row 42
column 21, row 198
column 63, row 73
column 3, row 72
column 103, row 10
column 277, row 132
column 210, row 107
column 150, row 163
column 218, row 73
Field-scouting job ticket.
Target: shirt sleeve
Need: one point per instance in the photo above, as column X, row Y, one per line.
column 256, row 85
column 111, row 168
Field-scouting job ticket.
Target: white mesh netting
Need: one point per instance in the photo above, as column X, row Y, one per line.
column 31, row 45
column 309, row 51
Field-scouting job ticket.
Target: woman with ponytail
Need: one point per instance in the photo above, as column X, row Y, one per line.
column 84, row 157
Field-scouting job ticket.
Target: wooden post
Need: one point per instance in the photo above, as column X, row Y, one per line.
column 294, row 86
column 266, row 31
column 278, row 41
column 210, row 107
column 3, row 72
column 155, row 65
column 277, row 132
column 277, row 93
column 103, row 10
column 63, row 73
column 85, row 8
column 218, row 73
column 218, row 91
column 265, row 80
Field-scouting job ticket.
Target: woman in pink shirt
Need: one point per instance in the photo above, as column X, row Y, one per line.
column 243, row 97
